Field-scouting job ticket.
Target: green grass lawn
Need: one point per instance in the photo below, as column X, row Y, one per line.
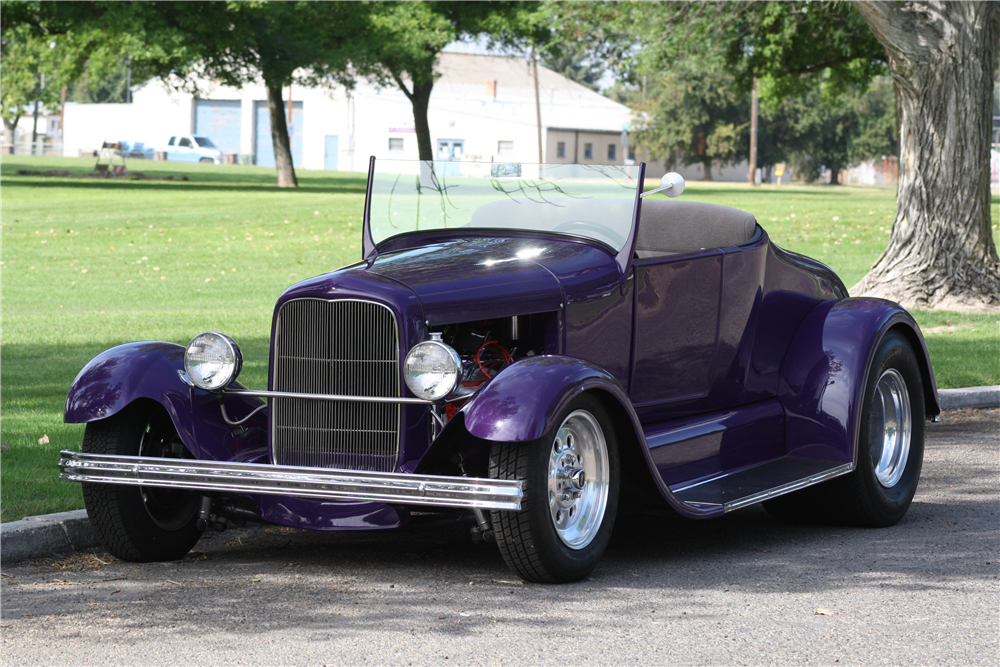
column 87, row 264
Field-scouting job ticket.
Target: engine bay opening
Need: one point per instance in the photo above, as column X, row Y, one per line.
column 486, row 347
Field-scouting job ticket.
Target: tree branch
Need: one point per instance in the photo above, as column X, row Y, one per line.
column 895, row 26
column 402, row 86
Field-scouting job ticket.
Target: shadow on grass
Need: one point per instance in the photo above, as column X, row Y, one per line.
column 35, row 380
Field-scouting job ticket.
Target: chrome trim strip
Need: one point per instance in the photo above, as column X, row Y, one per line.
column 323, row 483
column 789, row 487
column 329, row 397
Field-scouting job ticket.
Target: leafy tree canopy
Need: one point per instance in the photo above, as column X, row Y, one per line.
column 403, row 39
column 694, row 114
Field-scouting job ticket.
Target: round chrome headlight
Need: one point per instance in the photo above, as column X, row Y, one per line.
column 212, row 361
column 432, row 370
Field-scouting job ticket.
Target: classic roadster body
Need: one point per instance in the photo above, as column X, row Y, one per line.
column 525, row 345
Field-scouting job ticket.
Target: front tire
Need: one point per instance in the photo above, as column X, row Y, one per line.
column 139, row 523
column 890, row 450
column 570, row 496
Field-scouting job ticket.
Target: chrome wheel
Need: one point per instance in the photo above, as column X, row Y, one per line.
column 891, row 428
column 578, row 479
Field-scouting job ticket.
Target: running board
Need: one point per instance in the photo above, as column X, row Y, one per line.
column 761, row 482
column 323, row 483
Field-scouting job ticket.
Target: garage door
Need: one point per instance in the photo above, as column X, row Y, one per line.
column 219, row 120
column 263, row 147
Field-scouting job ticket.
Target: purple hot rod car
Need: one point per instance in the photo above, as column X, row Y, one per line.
column 526, row 347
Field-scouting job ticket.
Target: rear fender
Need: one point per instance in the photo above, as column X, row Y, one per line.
column 150, row 370
column 523, row 401
column 825, row 370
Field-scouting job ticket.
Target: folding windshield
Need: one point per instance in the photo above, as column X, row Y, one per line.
column 592, row 201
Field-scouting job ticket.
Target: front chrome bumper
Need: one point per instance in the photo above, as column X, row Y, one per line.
column 323, row 483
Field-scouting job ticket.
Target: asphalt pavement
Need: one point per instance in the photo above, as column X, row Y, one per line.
column 743, row 589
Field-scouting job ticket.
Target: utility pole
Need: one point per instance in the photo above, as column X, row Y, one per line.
column 753, row 135
column 538, row 104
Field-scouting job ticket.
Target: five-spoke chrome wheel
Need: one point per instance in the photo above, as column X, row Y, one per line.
column 578, row 478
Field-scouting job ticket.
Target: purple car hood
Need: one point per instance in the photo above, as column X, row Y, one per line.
column 458, row 280
column 466, row 279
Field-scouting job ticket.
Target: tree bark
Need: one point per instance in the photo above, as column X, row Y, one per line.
column 835, row 168
column 421, row 100
column 8, row 134
column 941, row 252
column 279, row 138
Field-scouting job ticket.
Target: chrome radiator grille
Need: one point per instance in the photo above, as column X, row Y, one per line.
column 336, row 347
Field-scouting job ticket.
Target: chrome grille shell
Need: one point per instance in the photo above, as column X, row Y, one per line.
column 344, row 346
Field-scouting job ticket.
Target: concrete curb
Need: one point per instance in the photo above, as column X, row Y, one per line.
column 39, row 536
column 970, row 397
column 64, row 532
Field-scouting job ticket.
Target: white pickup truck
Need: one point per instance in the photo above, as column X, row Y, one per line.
column 180, row 148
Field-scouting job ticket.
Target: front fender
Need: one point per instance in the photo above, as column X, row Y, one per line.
column 124, row 374
column 826, row 367
column 520, row 403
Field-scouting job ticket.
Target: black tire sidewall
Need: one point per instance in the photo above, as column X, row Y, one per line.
column 565, row 563
column 888, row 505
column 118, row 512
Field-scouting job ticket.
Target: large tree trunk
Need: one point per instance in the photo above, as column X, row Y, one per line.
column 941, row 252
column 279, row 138
column 835, row 168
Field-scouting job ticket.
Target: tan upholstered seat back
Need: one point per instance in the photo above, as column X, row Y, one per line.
column 669, row 227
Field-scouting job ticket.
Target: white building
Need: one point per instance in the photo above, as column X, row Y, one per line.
column 482, row 107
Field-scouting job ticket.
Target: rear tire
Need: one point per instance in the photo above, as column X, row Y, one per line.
column 570, row 496
column 138, row 523
column 207, row 160
column 890, row 450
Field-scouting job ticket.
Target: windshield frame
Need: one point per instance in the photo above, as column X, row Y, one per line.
column 623, row 255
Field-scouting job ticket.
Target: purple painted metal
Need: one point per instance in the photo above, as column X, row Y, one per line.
column 149, row 370
column 329, row 514
column 694, row 448
column 459, row 282
column 824, row 374
column 676, row 328
column 523, row 401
